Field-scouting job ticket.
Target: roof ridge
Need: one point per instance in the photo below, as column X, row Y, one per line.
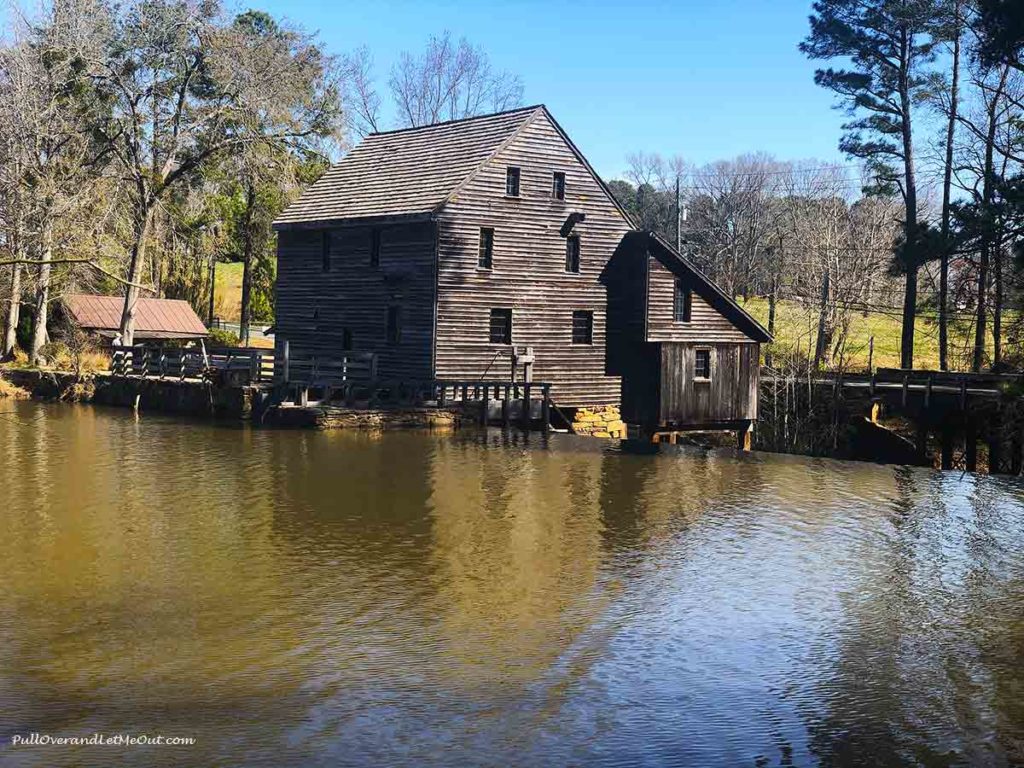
column 531, row 108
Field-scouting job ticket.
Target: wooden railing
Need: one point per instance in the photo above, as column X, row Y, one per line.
column 147, row 361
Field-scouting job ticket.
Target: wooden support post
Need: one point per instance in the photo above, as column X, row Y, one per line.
column 673, row 438
column 970, row 448
column 928, row 392
column 921, row 443
column 963, row 393
column 871, row 385
column 871, row 362
column 906, row 384
column 285, row 360
column 545, row 409
column 526, row 405
column 744, row 437
column 484, row 404
column 995, row 450
column 947, row 446
column 506, row 407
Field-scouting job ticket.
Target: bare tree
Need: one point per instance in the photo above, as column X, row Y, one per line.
column 45, row 109
column 448, row 81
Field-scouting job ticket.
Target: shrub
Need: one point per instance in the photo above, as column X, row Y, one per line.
column 218, row 337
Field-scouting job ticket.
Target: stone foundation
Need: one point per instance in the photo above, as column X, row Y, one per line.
column 335, row 417
column 599, row 421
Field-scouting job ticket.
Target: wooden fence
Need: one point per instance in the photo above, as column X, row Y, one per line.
column 146, row 361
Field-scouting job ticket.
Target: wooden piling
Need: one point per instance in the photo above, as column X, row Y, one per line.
column 970, row 447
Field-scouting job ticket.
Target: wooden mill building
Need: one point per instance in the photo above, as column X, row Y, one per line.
column 443, row 249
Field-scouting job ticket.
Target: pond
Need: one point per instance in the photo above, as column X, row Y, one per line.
column 413, row 598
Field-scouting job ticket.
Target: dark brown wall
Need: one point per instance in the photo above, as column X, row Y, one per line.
column 314, row 307
column 730, row 395
column 529, row 270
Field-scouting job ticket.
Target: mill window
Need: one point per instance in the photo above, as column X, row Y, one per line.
column 394, row 331
column 582, row 326
column 558, row 185
column 501, row 326
column 325, row 250
column 702, row 364
column 572, row 253
column 682, row 303
column 512, row 181
column 486, row 257
column 374, row 247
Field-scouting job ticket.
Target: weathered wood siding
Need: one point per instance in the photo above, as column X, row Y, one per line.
column 730, row 394
column 314, row 307
column 706, row 323
column 528, row 271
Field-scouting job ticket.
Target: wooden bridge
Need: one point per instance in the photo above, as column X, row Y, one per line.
column 952, row 410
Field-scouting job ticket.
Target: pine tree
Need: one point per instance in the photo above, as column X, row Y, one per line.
column 888, row 43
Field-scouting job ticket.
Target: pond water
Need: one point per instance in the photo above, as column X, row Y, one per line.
column 325, row 599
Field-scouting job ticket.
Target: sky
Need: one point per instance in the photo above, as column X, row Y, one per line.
column 703, row 80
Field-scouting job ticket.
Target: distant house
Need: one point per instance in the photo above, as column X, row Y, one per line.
column 155, row 319
column 444, row 248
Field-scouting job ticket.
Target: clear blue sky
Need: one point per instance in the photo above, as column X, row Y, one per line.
column 705, row 80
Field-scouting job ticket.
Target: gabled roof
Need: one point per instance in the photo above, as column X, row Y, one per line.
column 679, row 265
column 154, row 318
column 413, row 172
column 405, row 172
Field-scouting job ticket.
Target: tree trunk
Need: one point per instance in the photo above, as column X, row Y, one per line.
column 947, row 183
column 40, row 313
column 997, row 307
column 987, row 240
column 13, row 314
column 772, row 299
column 822, row 344
column 247, row 247
column 14, row 308
column 910, row 226
column 131, row 294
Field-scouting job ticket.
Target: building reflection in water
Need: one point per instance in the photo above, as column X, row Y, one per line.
column 480, row 597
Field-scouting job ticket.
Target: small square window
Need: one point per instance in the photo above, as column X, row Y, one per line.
column 394, row 331
column 374, row 247
column 582, row 326
column 501, row 326
column 486, row 257
column 702, row 364
column 558, row 186
column 682, row 302
column 572, row 253
column 325, row 250
column 512, row 182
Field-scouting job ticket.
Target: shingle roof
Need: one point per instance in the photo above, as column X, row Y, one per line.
column 154, row 318
column 404, row 172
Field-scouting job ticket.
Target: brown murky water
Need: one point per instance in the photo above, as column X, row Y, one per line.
column 294, row 598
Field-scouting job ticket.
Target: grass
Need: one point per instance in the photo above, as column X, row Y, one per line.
column 227, row 291
column 796, row 327
column 7, row 389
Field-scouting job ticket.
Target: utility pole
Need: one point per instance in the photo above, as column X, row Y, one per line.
column 679, row 219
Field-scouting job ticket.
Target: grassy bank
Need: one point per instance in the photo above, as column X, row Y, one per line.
column 796, row 326
column 227, row 291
